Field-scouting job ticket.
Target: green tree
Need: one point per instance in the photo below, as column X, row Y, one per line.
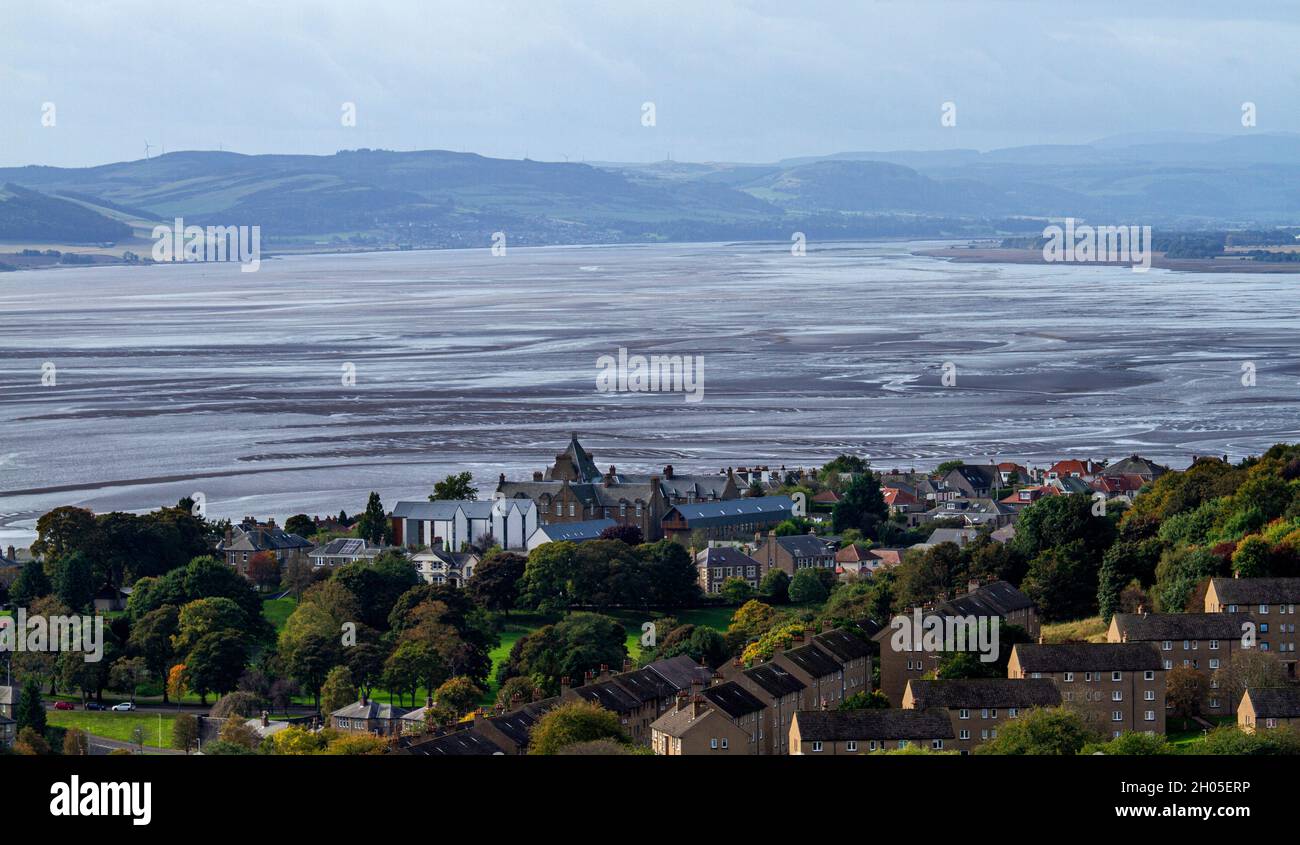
column 459, row 693
column 1054, row 730
column 775, row 586
column 185, row 733
column 151, row 640
column 458, row 487
column 1185, row 690
column 30, row 585
column 373, row 524
column 74, row 581
column 862, row 506
column 1130, row 744
column 301, row 524
column 62, row 531
column 807, row 587
column 737, row 590
column 579, row 721
column 338, row 690
column 496, row 581
column 30, row 712
column 76, row 743
column 216, row 662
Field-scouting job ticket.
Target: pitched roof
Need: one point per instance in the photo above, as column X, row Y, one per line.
column 735, row 511
column 347, row 547
column 459, row 743
column 1276, row 702
column 573, row 531
column 1136, row 465
column 960, row 536
column 1087, row 657
column 676, row 721
column 681, row 672
column 645, row 684
column 518, row 724
column 840, row 725
column 804, row 545
column 1257, row 590
column 1180, row 626
column 262, row 538
column 370, row 710
column 723, row 556
column 842, row 644
column 976, row 693
column 813, row 660
column 733, row 699
column 998, row 598
column 608, row 695
column 774, row 680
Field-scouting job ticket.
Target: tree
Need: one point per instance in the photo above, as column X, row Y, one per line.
column 1250, row 668
column 775, row 586
column 629, row 534
column 301, row 524
column 216, row 662
column 377, row 585
column 548, row 576
column 238, row 703
column 459, row 693
column 30, row 743
column 74, row 581
column 1047, row 730
column 31, row 584
column 299, row 574
column 1252, row 558
column 201, row 617
column 673, row 580
column 62, row 531
column 576, row 644
column 177, row 683
column 1062, row 582
column 948, row 466
column 924, row 576
column 495, row 585
column 76, row 743
column 1130, row 744
column 264, row 570
column 806, row 587
column 458, row 487
column 237, row 731
column 874, row 700
column 579, row 721
column 30, row 712
column 862, row 506
column 151, row 639
column 338, row 691
column 737, row 590
column 185, row 732
column 1185, row 690
column 373, row 525
column 127, row 673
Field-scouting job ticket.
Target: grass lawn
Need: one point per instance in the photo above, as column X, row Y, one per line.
column 116, row 725
column 277, row 611
column 1091, row 629
column 1188, row 741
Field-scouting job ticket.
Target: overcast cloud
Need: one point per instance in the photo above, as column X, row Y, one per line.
column 730, row 80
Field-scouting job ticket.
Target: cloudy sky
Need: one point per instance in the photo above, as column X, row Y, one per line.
column 729, row 80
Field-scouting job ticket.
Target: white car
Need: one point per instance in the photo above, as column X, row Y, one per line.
column 125, row 705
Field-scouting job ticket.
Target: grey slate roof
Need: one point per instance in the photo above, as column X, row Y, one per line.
column 997, row 599
column 978, row 693
column 645, row 684
column 681, row 671
column 1181, row 626
column 1088, row 657
column 724, row 556
column 733, row 699
column 814, row 661
column 843, row 645
column 609, row 695
column 517, row 725
column 805, row 545
column 1276, row 702
column 459, row 743
column 574, row 532
column 775, row 680
column 1257, row 590
column 841, row 725
column 735, row 511
column 370, row 710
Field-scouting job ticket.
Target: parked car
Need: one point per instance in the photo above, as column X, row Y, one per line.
column 64, row 705
column 125, row 705
column 94, row 705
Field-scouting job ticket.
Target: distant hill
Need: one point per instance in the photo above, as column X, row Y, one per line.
column 436, row 198
column 27, row 215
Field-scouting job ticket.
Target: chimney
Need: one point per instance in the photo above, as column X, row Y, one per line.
column 9, row 553
column 972, row 585
column 682, row 698
column 537, row 475
column 516, row 701
column 428, row 700
column 266, row 719
column 230, row 535
column 564, row 683
column 363, row 698
column 697, row 706
column 627, row 664
column 668, row 471
column 1041, row 638
column 501, row 479
column 826, row 625
column 1123, row 637
column 587, row 677
column 604, row 671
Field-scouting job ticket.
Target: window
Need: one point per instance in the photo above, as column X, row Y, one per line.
column 871, row 746
column 1187, row 645
column 963, row 714
column 851, row 745
column 1149, row 695
column 572, row 509
column 984, row 714
column 1214, row 645
column 1167, row 645
column 1263, row 609
column 963, row 734
column 1149, row 675
column 1169, row 664
column 1117, row 715
column 1232, row 608
column 724, row 743
column 1117, row 695
column 1013, row 712
column 817, row 746
column 1069, row 676
column 1150, row 715
column 713, row 743
column 1270, row 723
column 1115, row 676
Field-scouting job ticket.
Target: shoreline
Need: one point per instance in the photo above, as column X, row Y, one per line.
column 1001, row 255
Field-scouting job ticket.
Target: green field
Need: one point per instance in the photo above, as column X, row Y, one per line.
column 116, row 725
column 277, row 611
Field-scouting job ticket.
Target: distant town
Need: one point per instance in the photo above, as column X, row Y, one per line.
column 1096, row 605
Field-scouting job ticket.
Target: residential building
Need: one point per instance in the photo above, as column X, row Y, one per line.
column 436, row 566
column 718, row 563
column 978, row 707
column 832, row 732
column 1116, row 687
column 8, row 732
column 455, row 524
column 251, row 537
column 975, row 512
column 725, row 520
column 370, row 717
column 781, row 693
column 568, row 532
column 345, row 550
column 970, row 481
column 821, row 674
column 854, row 656
column 9, row 696
column 1202, row 641
column 698, row 726
column 1263, row 709
column 794, row 552
column 1270, row 603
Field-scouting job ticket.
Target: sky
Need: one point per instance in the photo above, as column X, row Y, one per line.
column 728, row 80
